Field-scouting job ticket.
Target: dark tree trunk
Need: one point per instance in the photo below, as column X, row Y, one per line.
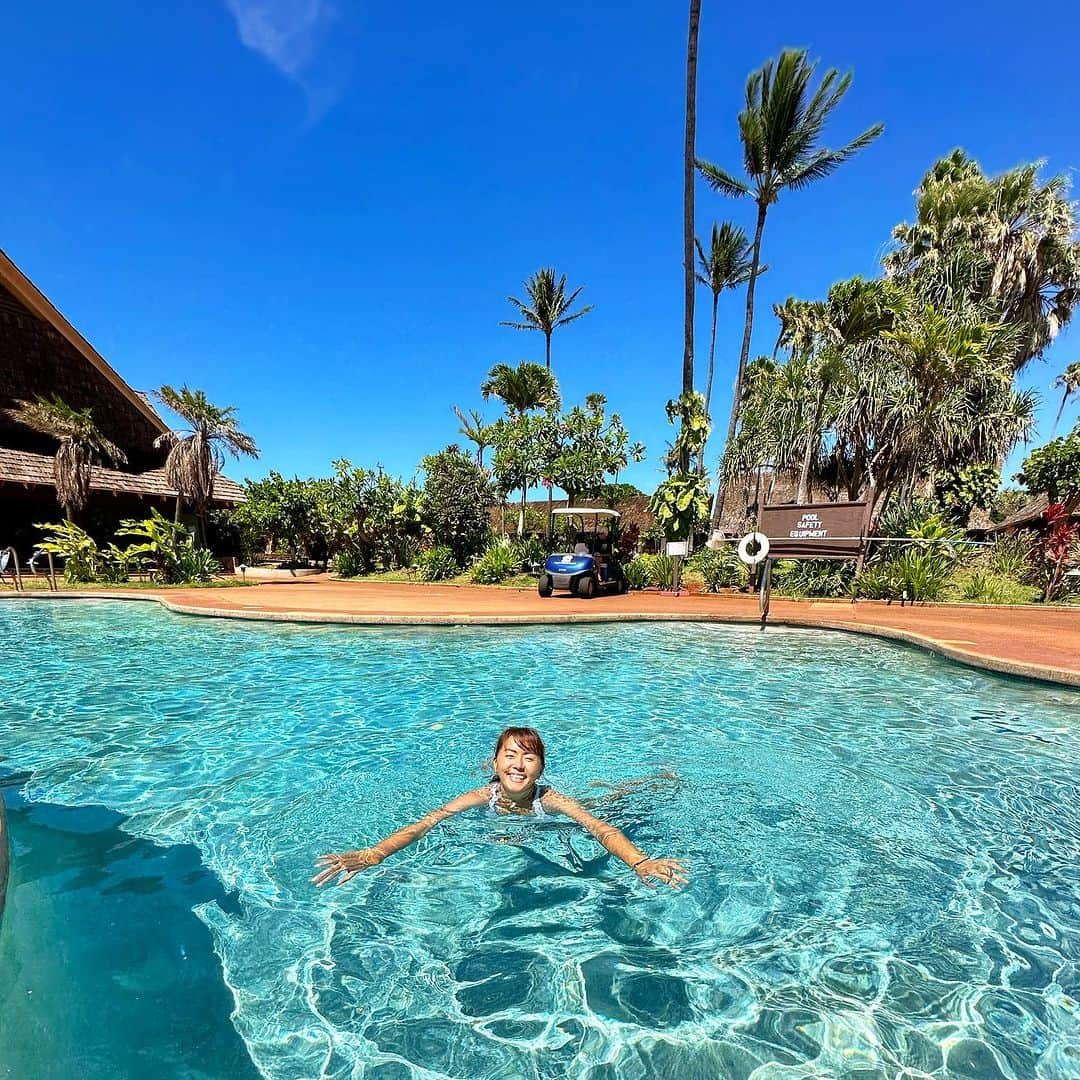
column 744, row 354
column 708, row 382
column 811, row 447
column 688, row 197
column 547, row 336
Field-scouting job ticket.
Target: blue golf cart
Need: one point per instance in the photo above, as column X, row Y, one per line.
column 592, row 567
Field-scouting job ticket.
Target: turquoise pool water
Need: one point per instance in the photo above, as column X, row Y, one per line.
column 885, row 847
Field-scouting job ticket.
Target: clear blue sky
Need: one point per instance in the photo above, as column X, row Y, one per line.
column 315, row 213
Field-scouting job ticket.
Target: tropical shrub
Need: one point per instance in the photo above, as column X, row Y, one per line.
column 83, row 561
column 637, row 572
column 980, row 587
column 1054, row 469
column 457, row 502
column 496, row 564
column 813, row 577
column 662, row 571
column 966, row 488
column 719, row 569
column 161, row 545
column 529, row 551
column 1057, row 551
column 878, row 581
column 1011, row 556
column 195, row 565
column 438, row 564
column 347, row 563
column 923, row 575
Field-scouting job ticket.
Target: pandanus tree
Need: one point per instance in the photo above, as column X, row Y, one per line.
column 548, row 306
column 726, row 265
column 196, row 452
column 780, row 128
column 80, row 442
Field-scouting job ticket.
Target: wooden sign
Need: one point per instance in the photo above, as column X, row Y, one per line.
column 814, row 530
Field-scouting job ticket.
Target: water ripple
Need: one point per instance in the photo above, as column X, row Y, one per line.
column 885, row 847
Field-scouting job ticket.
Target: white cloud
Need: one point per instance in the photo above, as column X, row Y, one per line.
column 287, row 33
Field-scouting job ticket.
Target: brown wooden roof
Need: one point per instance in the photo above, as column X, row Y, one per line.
column 42, row 355
column 23, row 467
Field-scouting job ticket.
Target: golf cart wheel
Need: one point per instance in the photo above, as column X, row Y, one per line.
column 544, row 586
column 586, row 587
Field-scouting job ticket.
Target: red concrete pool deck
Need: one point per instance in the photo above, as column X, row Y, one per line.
column 1035, row 642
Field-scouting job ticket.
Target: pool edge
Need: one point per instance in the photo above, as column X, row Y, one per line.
column 1000, row 665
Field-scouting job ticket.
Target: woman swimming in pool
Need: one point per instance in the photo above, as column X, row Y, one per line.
column 518, row 764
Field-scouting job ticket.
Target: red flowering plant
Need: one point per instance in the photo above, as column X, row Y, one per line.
column 1057, row 552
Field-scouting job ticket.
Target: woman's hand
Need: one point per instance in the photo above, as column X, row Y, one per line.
column 349, row 863
column 671, row 872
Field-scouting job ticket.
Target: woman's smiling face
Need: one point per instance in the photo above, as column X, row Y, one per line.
column 517, row 768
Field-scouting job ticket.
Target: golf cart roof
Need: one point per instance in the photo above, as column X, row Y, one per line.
column 586, row 510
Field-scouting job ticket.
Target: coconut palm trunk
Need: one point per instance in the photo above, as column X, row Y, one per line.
column 748, row 326
column 688, row 197
column 709, row 380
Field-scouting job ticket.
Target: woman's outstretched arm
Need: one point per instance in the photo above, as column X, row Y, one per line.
column 350, row 863
column 672, row 872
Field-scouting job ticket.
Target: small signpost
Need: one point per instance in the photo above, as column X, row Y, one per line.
column 677, row 550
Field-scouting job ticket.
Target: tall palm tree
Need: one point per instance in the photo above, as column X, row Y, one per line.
column 780, row 129
column 1007, row 241
column 195, row 453
column 521, row 389
column 475, row 430
column 689, row 153
column 548, row 307
column 726, row 265
column 80, row 442
column 1069, row 382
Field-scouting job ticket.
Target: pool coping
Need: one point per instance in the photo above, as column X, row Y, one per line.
column 987, row 661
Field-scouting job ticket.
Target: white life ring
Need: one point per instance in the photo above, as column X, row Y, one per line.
column 762, row 552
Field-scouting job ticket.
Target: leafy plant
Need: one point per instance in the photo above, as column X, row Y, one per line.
column 347, row 564
column 457, row 501
column 968, row 487
column 438, row 564
column 878, row 581
column 496, row 564
column 161, row 545
column 662, row 571
column 637, row 572
column 813, row 577
column 719, row 569
column 1054, row 469
column 195, row 565
column 83, row 562
column 1057, row 551
column 1011, row 556
column 923, row 575
column 680, row 504
column 529, row 551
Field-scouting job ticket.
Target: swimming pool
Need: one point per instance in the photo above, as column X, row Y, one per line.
column 885, row 847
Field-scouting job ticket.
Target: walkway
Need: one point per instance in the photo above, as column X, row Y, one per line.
column 1041, row 643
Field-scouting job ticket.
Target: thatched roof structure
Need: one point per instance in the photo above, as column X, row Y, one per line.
column 43, row 355
column 27, row 469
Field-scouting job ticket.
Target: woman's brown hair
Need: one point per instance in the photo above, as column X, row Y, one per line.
column 526, row 737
